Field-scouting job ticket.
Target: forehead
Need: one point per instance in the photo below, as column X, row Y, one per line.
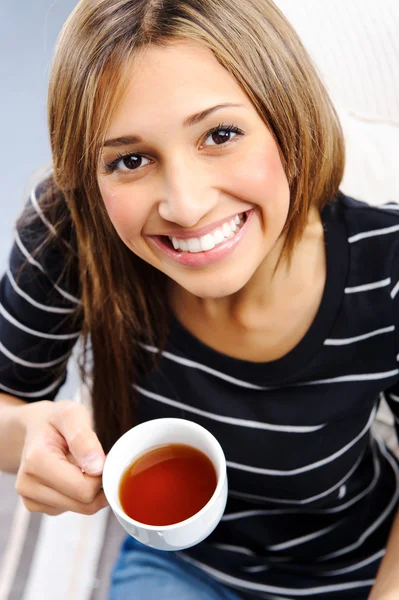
column 172, row 82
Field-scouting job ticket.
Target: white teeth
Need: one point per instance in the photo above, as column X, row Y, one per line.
column 210, row 240
column 194, row 245
column 226, row 230
column 207, row 242
column 218, row 236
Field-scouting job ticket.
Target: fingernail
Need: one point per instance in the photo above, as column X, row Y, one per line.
column 93, row 464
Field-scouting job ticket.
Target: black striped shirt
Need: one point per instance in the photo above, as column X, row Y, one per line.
column 312, row 493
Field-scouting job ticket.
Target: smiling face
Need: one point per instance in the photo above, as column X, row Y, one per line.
column 190, row 175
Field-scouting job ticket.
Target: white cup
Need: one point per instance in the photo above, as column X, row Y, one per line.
column 139, row 440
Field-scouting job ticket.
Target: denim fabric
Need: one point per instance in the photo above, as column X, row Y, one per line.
column 142, row 573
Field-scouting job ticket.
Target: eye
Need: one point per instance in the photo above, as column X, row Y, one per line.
column 222, row 134
column 127, row 162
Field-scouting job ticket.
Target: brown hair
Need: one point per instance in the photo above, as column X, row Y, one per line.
column 123, row 298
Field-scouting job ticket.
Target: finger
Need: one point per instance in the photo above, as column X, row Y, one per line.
column 41, row 495
column 74, row 422
column 49, row 466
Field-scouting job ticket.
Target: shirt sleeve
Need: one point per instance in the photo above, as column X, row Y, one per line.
column 40, row 316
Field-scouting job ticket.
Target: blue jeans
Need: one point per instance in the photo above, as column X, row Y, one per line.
column 142, row 573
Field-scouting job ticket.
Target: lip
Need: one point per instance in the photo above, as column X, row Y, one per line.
column 202, row 259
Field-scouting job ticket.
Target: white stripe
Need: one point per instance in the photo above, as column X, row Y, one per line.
column 32, row 365
column 373, row 233
column 393, row 206
column 355, row 377
column 238, row 549
column 14, row 548
column 39, row 211
column 255, row 569
column 247, row 496
column 47, row 336
column 49, row 225
column 261, row 587
column 394, row 398
column 229, row 420
column 310, row 467
column 368, row 286
column 356, row 566
column 34, row 262
column 20, row 292
column 305, row 538
column 395, row 291
column 43, row 392
column 300, row 502
column 194, row 365
column 259, row 513
column 358, row 338
column 25, row 252
column 392, row 504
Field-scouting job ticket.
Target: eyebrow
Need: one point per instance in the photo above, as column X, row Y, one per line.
column 128, row 140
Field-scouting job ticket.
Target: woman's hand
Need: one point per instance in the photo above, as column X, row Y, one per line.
column 62, row 460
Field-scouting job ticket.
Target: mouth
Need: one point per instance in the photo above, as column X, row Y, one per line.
column 199, row 251
column 205, row 243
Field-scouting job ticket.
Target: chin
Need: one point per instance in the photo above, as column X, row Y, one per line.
column 214, row 288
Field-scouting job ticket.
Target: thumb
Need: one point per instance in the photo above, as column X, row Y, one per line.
column 74, row 422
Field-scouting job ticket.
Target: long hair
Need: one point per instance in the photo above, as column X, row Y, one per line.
column 123, row 298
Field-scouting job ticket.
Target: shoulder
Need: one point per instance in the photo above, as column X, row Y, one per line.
column 372, row 234
column 46, row 216
column 45, row 240
column 364, row 221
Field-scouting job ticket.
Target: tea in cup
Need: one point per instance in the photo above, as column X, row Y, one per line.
column 166, row 483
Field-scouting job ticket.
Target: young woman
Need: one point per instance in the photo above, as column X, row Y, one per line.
column 192, row 231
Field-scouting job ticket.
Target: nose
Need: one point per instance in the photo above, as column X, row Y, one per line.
column 187, row 193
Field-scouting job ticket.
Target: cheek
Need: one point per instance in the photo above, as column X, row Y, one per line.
column 261, row 178
column 127, row 214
